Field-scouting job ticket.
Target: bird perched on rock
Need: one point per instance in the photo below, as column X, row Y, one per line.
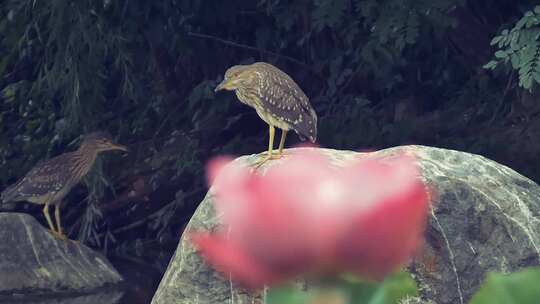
column 278, row 100
column 51, row 180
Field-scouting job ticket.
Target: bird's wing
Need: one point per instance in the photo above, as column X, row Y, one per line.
column 283, row 97
column 41, row 180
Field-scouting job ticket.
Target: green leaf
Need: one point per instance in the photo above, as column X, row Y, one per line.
column 531, row 21
column 394, row 289
column 525, row 81
column 354, row 289
column 491, row 65
column 515, row 59
column 521, row 23
column 517, row 288
column 500, row 54
column 390, row 291
column 496, row 40
column 286, row 295
column 536, row 76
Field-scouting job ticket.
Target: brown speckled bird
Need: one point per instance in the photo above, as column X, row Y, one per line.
column 51, row 180
column 278, row 100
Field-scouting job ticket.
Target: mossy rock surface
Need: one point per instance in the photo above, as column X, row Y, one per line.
column 33, row 262
column 486, row 217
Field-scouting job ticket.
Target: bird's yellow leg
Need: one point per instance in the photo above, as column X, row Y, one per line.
column 54, row 232
column 271, row 134
column 60, row 231
column 268, row 156
column 282, row 142
column 48, row 218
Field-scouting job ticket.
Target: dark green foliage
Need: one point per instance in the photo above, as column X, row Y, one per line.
column 393, row 290
column 378, row 72
column 519, row 287
column 519, row 47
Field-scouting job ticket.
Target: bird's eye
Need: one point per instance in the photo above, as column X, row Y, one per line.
column 231, row 75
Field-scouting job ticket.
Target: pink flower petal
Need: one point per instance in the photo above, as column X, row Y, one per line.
column 233, row 261
column 306, row 214
column 388, row 236
column 215, row 166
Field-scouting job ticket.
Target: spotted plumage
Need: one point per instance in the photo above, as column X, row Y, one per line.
column 50, row 181
column 278, row 100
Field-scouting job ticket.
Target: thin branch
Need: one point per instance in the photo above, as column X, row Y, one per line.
column 348, row 82
column 138, row 222
column 166, row 120
column 252, row 48
column 501, row 100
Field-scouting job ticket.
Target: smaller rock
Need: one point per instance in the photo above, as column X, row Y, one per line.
column 104, row 297
column 32, row 261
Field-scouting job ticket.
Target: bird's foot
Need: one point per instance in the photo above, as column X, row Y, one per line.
column 59, row 235
column 275, row 154
column 265, row 157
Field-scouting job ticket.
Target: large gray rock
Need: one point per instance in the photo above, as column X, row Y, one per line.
column 486, row 217
column 33, row 261
column 101, row 297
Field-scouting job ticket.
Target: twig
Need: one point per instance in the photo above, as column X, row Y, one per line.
column 503, row 97
column 146, row 218
column 167, row 118
column 252, row 48
column 348, row 82
column 137, row 223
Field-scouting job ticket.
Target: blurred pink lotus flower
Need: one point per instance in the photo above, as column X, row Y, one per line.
column 306, row 215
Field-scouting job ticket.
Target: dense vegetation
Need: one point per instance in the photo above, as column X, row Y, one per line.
column 451, row 73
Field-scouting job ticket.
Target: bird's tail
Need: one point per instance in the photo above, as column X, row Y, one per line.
column 8, row 195
column 307, row 129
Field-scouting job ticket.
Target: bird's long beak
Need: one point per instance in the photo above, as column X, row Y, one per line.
column 220, row 86
column 120, row 147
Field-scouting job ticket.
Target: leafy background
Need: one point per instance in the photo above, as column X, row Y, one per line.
column 458, row 74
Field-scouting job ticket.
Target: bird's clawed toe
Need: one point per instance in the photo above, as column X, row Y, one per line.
column 261, row 161
column 59, row 235
column 274, row 155
column 264, row 158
